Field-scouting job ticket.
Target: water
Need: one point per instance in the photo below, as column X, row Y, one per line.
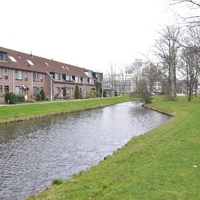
column 33, row 153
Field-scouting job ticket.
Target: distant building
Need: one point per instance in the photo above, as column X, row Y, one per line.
column 128, row 81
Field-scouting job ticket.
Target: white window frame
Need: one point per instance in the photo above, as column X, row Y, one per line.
column 57, row 90
column 25, row 75
column 68, row 91
column 35, row 76
column 36, row 90
column 68, row 78
column 18, row 90
column 6, row 74
column 18, row 75
column 58, row 76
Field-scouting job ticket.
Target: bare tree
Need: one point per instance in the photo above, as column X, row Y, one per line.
column 166, row 50
column 191, row 60
column 123, row 79
column 112, row 76
column 136, row 74
column 195, row 3
column 192, row 18
column 143, row 91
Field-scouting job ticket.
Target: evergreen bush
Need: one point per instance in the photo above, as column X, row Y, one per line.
column 10, row 98
column 77, row 92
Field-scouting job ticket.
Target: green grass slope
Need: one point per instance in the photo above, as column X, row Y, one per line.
column 163, row 164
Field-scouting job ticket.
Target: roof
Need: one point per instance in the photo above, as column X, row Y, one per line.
column 28, row 62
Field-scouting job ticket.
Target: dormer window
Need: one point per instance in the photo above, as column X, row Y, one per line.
column 68, row 78
column 58, row 76
column 12, row 58
column 3, row 56
column 77, row 79
column 30, row 62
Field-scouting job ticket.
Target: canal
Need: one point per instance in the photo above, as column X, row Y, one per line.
column 35, row 152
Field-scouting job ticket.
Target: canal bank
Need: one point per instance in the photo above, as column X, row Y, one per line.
column 35, row 152
column 21, row 112
column 163, row 164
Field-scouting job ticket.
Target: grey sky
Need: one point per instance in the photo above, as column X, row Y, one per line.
column 90, row 33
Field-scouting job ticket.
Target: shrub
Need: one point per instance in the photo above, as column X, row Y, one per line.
column 30, row 101
column 38, row 97
column 92, row 94
column 42, row 94
column 77, row 92
column 57, row 182
column 10, row 98
column 19, row 98
column 64, row 92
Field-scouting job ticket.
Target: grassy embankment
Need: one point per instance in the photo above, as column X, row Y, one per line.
column 163, row 164
column 12, row 113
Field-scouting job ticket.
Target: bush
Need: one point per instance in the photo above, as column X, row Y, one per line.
column 42, row 95
column 30, row 101
column 10, row 98
column 92, row 94
column 77, row 92
column 64, row 92
column 19, row 98
column 57, row 182
column 38, row 97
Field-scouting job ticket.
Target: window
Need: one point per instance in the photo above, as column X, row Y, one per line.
column 57, row 91
column 30, row 62
column 12, row 58
column 84, row 80
column 3, row 56
column 68, row 90
column 47, row 64
column 90, row 81
column 6, row 88
column 1, row 89
column 35, row 76
column 36, row 90
column 77, row 79
column 1, row 72
column 41, row 77
column 58, row 76
column 68, row 78
column 26, row 76
column 18, row 90
column 6, row 74
column 18, row 74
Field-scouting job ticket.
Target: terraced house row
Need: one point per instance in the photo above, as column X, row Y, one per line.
column 27, row 74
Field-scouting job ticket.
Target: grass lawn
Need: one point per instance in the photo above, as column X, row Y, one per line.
column 11, row 113
column 159, row 165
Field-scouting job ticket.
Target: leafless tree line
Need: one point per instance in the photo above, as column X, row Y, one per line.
column 177, row 51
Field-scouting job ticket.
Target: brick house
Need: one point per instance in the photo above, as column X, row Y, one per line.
column 27, row 74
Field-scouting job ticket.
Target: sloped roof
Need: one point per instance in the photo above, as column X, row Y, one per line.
column 29, row 62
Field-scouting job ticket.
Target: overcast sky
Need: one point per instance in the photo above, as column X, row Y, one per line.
column 88, row 33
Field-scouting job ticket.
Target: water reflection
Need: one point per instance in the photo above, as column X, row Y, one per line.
column 33, row 153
